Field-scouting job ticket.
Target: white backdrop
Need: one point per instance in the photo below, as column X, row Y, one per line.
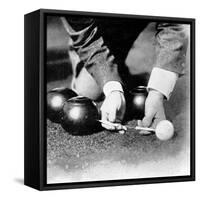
column 11, row 98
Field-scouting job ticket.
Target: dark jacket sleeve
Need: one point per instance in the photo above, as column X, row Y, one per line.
column 171, row 46
column 93, row 54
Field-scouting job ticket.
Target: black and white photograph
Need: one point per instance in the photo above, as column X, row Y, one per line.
column 118, row 94
column 99, row 100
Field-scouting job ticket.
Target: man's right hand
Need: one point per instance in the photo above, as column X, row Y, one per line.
column 154, row 110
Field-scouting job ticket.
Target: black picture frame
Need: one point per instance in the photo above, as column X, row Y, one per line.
column 35, row 99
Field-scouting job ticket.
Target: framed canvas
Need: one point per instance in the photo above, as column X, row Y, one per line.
column 109, row 99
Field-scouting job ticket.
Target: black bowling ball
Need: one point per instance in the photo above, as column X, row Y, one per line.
column 80, row 116
column 139, row 95
column 55, row 102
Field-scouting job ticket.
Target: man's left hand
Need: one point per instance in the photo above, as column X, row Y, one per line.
column 113, row 110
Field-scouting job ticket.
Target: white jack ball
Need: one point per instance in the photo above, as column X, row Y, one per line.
column 164, row 130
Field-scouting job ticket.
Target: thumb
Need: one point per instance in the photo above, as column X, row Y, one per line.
column 147, row 120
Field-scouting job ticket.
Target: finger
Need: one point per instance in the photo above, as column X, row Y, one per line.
column 145, row 132
column 121, row 112
column 111, row 58
column 112, row 115
column 104, row 117
column 139, row 122
column 155, row 122
column 122, row 132
column 108, row 127
column 160, row 115
column 147, row 120
column 120, row 127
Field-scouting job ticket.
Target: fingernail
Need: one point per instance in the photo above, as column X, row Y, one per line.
column 121, row 132
column 144, row 133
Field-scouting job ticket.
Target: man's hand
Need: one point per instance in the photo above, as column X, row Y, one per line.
column 154, row 110
column 113, row 110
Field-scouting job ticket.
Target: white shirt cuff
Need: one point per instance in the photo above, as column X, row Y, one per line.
column 162, row 81
column 111, row 86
